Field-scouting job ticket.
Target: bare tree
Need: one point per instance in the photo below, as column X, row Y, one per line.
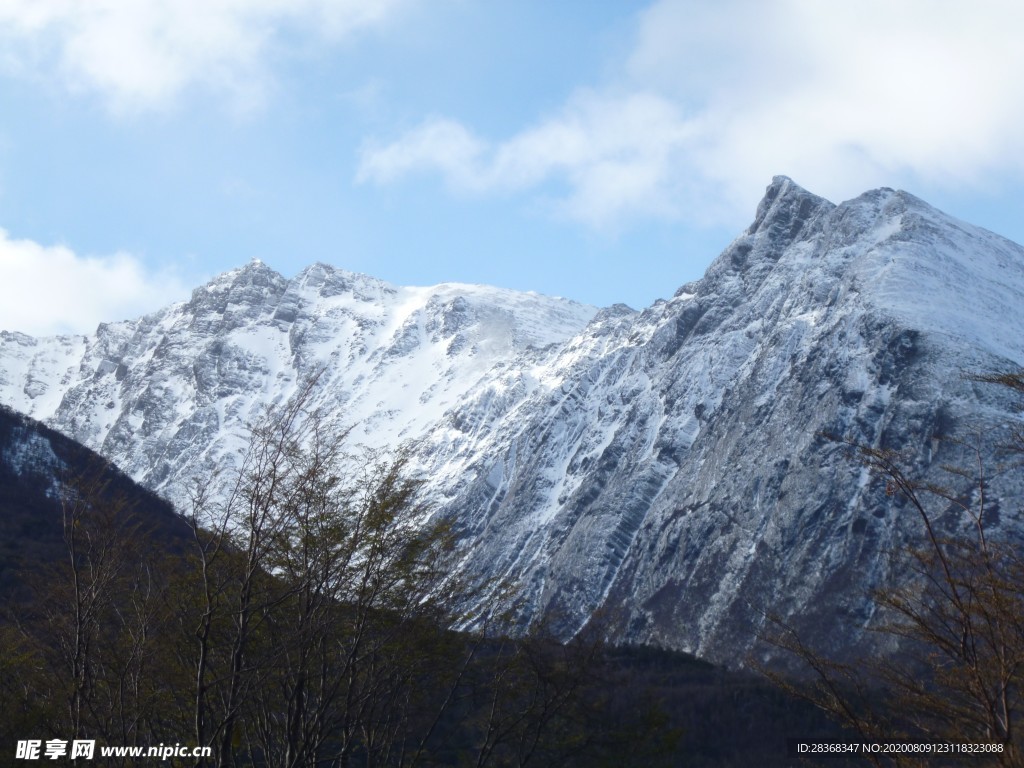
column 86, row 636
column 322, row 593
column 235, row 540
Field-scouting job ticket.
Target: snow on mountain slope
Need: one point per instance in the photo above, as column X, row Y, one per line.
column 165, row 395
column 666, row 467
column 670, row 469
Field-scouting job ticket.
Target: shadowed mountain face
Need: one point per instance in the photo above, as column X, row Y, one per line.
column 40, row 470
column 666, row 467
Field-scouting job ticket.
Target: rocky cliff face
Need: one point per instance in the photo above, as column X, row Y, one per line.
column 672, row 472
column 667, row 467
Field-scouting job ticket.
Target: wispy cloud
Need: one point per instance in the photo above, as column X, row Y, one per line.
column 613, row 153
column 437, row 144
column 142, row 54
column 715, row 98
column 48, row 290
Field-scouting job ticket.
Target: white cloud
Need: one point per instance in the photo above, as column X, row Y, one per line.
column 715, row 98
column 613, row 152
column 437, row 144
column 843, row 96
column 141, row 54
column 47, row 290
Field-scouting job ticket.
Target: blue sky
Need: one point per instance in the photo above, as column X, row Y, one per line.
column 603, row 151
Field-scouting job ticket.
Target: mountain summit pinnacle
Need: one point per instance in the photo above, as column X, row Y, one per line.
column 786, row 208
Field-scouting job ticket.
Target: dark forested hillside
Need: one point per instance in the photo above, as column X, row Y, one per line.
column 308, row 625
column 38, row 468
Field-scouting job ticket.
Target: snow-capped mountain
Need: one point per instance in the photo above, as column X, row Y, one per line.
column 167, row 394
column 666, row 467
column 672, row 471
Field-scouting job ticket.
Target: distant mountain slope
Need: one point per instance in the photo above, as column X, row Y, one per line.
column 666, row 467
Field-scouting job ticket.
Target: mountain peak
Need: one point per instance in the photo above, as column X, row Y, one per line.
column 255, row 267
column 786, row 208
column 252, row 285
column 327, row 280
column 255, row 271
